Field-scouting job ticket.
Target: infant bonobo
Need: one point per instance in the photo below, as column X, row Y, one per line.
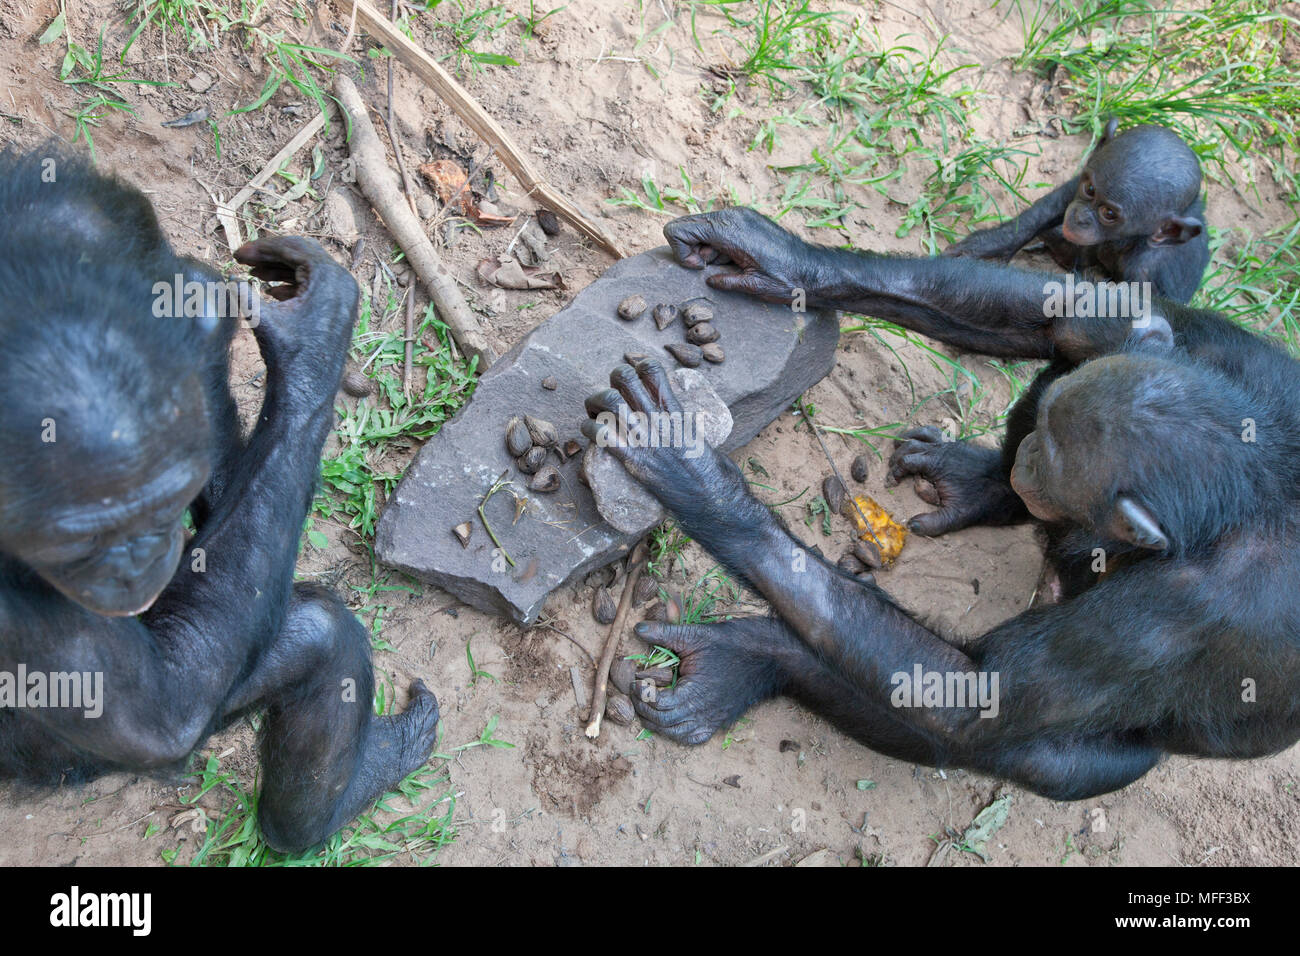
column 1133, row 214
column 116, row 422
column 1162, row 454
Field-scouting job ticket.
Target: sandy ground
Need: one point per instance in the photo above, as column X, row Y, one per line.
column 595, row 120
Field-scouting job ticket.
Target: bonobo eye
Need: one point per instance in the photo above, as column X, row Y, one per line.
column 1088, row 189
column 1109, row 215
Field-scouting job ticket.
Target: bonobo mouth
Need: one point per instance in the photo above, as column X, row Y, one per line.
column 125, row 597
column 1071, row 235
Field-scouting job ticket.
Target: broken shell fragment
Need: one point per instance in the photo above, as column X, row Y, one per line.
column 696, row 312
column 518, row 441
column 462, row 532
column 713, row 353
column 618, row 708
column 664, row 315
column 531, row 460
column 688, row 355
column 662, row 676
column 621, row 675
column 546, row 479
column 603, row 608
column 630, row 308
column 550, row 384
column 859, row 468
column 702, row 333
column 541, row 432
column 835, row 493
column 549, row 222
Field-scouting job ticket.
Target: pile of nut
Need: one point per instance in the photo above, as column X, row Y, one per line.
column 529, row 441
column 702, row 336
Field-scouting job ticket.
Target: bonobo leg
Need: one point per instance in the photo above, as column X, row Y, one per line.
column 326, row 756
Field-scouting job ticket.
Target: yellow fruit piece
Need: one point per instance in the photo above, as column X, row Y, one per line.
column 889, row 534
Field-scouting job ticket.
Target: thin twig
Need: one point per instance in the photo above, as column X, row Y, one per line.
column 836, row 472
column 496, row 486
column 636, row 563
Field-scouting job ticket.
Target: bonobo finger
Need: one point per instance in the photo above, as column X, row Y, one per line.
column 629, row 384
column 681, row 639
column 604, row 437
column 921, row 433
column 932, row 524
column 910, row 459
column 753, row 283
column 606, row 400
column 926, row 491
column 655, row 377
column 689, row 237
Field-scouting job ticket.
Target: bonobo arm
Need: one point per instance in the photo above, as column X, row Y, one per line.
column 999, row 243
column 167, row 672
column 974, row 305
column 1066, row 724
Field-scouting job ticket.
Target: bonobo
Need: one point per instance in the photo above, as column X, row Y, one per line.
column 116, row 419
column 1161, row 455
column 1133, row 214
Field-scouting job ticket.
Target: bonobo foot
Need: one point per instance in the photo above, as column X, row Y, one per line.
column 726, row 668
column 967, row 483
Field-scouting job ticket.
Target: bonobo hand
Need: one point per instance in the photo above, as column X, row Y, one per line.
column 965, row 482
column 725, row 669
column 773, row 262
column 993, row 245
column 685, row 477
column 307, row 333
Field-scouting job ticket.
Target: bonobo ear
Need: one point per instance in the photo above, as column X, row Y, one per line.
column 1177, row 229
column 1151, row 333
column 1138, row 526
column 1112, row 127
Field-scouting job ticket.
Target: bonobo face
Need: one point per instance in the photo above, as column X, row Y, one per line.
column 1138, row 184
column 1079, row 464
column 115, row 556
column 1093, row 217
column 110, row 494
column 1064, row 468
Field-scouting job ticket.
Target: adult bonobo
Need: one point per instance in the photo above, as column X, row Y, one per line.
column 1173, row 448
column 1133, row 214
column 116, row 417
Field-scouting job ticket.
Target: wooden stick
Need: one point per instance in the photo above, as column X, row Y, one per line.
column 227, row 213
column 635, row 565
column 381, row 187
column 464, row 106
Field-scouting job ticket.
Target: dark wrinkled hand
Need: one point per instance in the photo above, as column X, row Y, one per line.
column 680, row 474
column 721, row 675
column 772, row 262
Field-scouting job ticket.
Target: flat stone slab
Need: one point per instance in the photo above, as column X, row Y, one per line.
column 773, row 356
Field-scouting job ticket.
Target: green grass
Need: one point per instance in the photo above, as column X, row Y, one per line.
column 357, row 475
column 411, row 822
